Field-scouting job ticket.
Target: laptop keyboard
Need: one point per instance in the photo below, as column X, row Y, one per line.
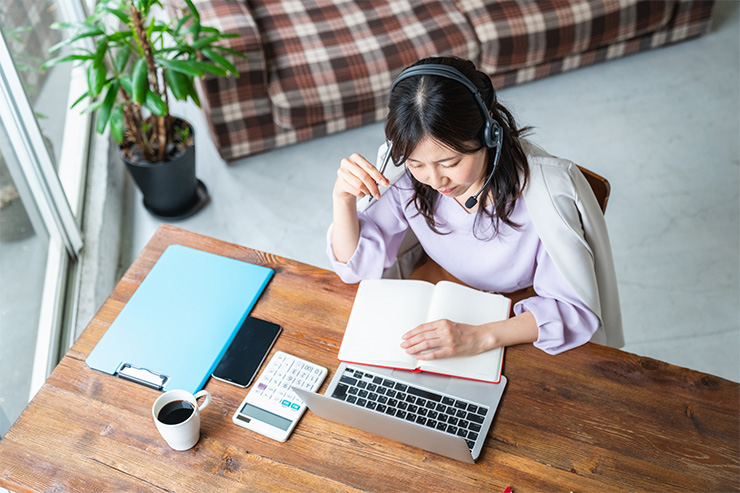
column 396, row 398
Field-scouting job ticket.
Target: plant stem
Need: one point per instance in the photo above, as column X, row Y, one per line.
column 159, row 128
column 167, row 118
column 133, row 122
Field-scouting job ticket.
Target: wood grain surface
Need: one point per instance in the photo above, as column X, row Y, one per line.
column 591, row 419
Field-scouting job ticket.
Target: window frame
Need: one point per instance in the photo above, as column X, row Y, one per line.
column 57, row 193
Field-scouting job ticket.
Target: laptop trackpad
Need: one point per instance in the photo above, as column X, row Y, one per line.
column 423, row 379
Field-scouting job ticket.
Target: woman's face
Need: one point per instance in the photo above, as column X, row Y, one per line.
column 449, row 172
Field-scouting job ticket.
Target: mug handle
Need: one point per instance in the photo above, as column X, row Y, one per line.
column 207, row 395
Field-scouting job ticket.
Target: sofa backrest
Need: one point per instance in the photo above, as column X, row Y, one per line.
column 332, row 58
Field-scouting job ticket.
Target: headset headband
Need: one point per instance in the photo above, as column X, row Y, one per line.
column 492, row 132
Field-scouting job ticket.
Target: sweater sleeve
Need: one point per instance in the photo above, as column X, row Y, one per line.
column 564, row 321
column 382, row 228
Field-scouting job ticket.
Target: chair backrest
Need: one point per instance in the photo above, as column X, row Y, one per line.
column 599, row 185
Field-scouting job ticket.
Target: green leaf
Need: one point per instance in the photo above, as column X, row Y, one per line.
column 61, row 59
column 196, row 14
column 79, row 26
column 204, row 42
column 144, row 6
column 105, row 109
column 230, row 51
column 179, row 49
column 221, row 60
column 140, row 81
column 63, row 43
column 95, row 79
column 178, row 84
column 93, row 106
column 120, row 35
column 194, row 93
column 116, row 124
column 209, row 40
column 125, row 81
column 121, row 14
column 208, row 29
column 150, row 29
column 124, row 53
column 100, row 51
column 194, row 29
column 209, row 68
column 181, row 23
column 155, row 104
column 187, row 67
column 79, row 100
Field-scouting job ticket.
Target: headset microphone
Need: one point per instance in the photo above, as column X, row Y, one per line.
column 470, row 203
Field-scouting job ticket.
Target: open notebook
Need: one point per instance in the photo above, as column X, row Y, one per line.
column 385, row 309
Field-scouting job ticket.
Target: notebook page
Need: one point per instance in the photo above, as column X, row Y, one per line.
column 470, row 306
column 382, row 312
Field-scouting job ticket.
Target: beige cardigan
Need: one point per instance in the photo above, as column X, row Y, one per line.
column 572, row 228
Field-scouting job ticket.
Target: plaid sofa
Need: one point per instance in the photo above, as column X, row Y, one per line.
column 316, row 67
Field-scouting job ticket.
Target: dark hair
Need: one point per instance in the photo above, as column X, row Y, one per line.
column 446, row 111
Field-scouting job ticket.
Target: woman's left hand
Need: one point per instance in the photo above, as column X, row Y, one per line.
column 444, row 339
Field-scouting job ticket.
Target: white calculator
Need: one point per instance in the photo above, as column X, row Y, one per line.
column 271, row 407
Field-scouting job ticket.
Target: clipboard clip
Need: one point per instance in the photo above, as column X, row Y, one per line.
column 142, row 376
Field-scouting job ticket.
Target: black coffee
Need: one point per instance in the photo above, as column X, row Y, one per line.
column 175, row 412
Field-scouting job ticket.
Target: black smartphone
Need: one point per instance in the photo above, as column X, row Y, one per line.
column 247, row 351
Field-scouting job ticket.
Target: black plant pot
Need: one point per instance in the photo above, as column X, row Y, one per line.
column 171, row 190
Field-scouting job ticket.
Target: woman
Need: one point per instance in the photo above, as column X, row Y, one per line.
column 490, row 208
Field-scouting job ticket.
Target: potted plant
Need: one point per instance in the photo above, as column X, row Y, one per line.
column 132, row 70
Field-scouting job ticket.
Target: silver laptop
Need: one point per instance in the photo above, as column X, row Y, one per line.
column 445, row 415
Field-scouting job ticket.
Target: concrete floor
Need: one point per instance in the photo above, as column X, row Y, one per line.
column 663, row 126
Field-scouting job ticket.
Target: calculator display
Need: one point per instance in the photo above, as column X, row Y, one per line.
column 265, row 416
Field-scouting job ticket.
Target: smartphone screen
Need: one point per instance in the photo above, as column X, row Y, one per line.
column 247, row 351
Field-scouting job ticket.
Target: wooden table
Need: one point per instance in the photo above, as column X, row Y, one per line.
column 591, row 419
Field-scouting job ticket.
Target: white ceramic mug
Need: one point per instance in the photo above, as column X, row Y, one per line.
column 179, row 424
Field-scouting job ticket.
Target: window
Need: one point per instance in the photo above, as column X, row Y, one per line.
column 43, row 155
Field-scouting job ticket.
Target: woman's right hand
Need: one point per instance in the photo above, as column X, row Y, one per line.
column 357, row 177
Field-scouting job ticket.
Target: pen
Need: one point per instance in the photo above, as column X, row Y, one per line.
column 383, row 165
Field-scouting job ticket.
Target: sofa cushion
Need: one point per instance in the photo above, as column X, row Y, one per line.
column 524, row 33
column 331, row 58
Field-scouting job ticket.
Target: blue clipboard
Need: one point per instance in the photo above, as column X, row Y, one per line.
column 180, row 320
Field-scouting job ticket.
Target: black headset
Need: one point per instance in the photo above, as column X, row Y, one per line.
column 493, row 135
